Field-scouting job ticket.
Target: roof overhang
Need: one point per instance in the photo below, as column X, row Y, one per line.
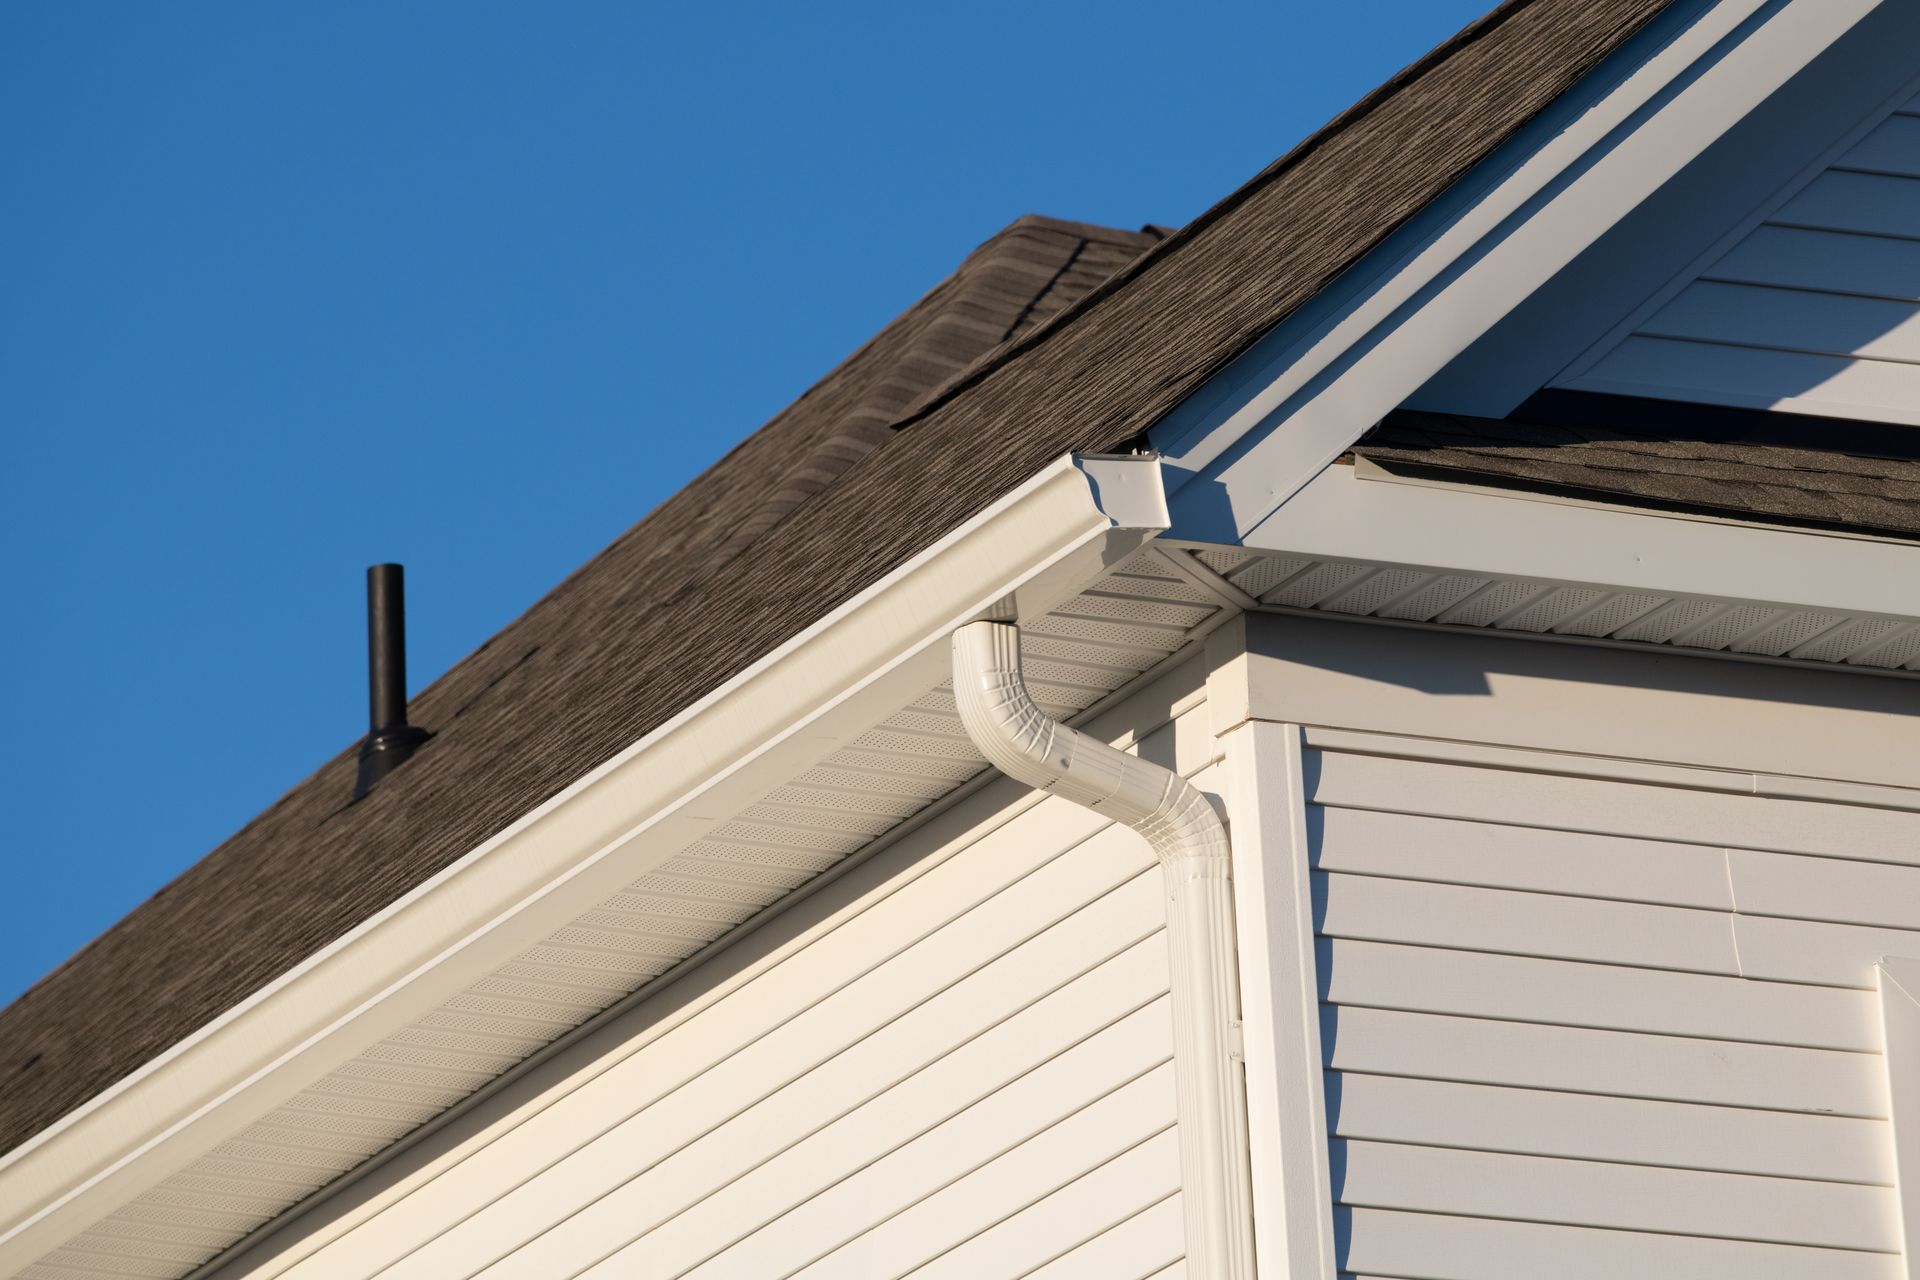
column 1691, row 104
column 1346, row 513
column 1459, row 559
column 1034, row 548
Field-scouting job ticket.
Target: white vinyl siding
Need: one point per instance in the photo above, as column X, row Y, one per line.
column 1816, row 309
column 1588, row 1027
column 956, row 1060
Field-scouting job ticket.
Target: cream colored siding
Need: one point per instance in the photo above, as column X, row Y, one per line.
column 1541, row 1007
column 1816, row 308
column 955, row 1060
column 1597, row 1015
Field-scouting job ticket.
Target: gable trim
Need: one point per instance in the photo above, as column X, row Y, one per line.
column 1265, row 427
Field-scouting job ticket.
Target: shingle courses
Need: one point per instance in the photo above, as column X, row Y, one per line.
column 309, row 868
column 1742, row 479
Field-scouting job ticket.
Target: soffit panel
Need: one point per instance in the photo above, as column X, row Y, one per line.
column 1570, row 611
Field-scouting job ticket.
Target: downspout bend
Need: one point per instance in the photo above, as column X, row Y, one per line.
column 1188, row 838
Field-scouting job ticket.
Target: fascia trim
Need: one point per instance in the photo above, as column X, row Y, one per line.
column 1341, row 515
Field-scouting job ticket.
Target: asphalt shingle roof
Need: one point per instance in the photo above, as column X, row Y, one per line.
column 1049, row 339
column 1638, row 462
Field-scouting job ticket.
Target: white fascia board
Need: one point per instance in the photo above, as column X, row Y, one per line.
column 1027, row 552
column 1341, row 515
column 1248, row 441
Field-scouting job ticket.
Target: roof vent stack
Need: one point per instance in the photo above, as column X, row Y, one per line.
column 390, row 739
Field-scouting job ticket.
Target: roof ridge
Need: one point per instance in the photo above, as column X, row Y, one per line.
column 1180, row 237
column 955, row 336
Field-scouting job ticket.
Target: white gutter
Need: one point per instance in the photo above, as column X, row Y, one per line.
column 1036, row 546
column 1186, row 835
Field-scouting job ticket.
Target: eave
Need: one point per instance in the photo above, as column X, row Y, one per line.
column 813, row 697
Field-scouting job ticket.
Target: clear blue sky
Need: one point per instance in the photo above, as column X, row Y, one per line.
column 287, row 289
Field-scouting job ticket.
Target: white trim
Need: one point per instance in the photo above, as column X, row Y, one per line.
column 1280, row 993
column 1178, row 821
column 1827, row 735
column 1295, row 402
column 1591, row 642
column 1341, row 515
column 1034, row 547
column 1900, row 1016
column 1182, row 561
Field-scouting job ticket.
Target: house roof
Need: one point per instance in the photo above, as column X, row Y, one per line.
column 312, row 866
column 1053, row 337
column 1695, row 462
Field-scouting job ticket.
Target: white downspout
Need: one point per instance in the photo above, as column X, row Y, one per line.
column 1188, row 838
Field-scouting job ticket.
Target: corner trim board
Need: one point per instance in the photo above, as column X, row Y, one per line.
column 1900, row 1013
column 1280, row 990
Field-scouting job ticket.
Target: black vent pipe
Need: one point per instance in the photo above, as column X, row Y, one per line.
column 390, row 739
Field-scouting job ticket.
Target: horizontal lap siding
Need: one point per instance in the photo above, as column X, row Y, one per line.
column 964, row 1070
column 1428, row 1246
column 1818, row 306
column 1133, row 1250
column 1575, row 1026
column 1759, row 378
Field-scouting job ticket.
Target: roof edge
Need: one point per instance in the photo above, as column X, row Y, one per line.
column 1347, row 514
column 1030, row 549
column 1474, row 31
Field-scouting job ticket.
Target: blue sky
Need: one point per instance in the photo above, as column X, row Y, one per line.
column 290, row 289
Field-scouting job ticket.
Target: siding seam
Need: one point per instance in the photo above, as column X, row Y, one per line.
column 1733, row 914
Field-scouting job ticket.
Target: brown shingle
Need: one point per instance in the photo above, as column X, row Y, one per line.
column 1633, row 464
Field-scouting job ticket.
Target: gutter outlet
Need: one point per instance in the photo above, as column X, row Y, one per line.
column 1187, row 836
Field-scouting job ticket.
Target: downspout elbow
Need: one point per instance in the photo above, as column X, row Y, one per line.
column 1026, row 744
